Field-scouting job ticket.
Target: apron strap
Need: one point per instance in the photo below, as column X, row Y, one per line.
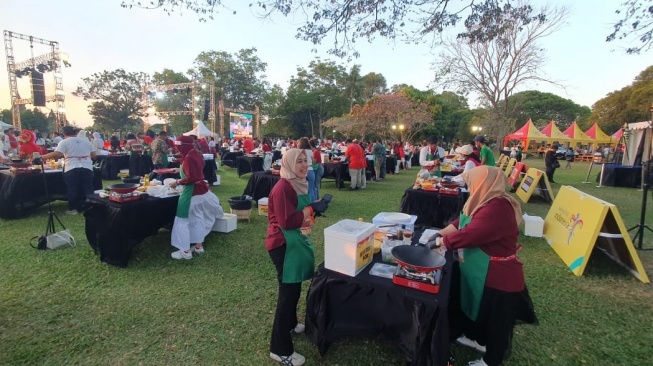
column 508, row 258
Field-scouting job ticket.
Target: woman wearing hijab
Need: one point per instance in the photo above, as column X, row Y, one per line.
column 290, row 216
column 98, row 142
column 198, row 208
column 493, row 293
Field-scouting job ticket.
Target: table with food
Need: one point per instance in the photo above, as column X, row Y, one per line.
column 112, row 164
column 23, row 187
column 122, row 215
column 382, row 279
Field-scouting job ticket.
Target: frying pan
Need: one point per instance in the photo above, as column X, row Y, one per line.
column 123, row 188
column 417, row 257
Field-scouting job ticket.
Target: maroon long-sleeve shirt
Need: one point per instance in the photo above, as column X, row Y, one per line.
column 193, row 165
column 282, row 213
column 493, row 229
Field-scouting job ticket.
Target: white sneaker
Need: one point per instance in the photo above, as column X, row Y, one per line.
column 462, row 340
column 479, row 362
column 299, row 328
column 293, row 360
column 199, row 250
column 181, row 254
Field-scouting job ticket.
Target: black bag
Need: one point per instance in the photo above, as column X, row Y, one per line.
column 556, row 164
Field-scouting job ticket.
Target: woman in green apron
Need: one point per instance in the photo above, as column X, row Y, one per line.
column 431, row 156
column 493, row 293
column 290, row 216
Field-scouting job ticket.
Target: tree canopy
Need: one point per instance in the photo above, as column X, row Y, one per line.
column 635, row 25
column 544, row 107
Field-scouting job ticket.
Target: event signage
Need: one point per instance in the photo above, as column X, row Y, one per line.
column 578, row 223
column 511, row 164
column 535, row 182
column 240, row 125
column 513, row 179
column 503, row 160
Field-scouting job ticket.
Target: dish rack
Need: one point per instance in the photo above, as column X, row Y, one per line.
column 242, row 214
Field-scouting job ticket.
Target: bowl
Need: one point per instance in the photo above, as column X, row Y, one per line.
column 131, row 179
column 123, row 188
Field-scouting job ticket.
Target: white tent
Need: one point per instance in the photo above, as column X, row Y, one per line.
column 200, row 131
column 639, row 144
column 5, row 125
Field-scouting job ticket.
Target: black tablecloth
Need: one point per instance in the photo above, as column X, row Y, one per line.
column 432, row 208
column 140, row 164
column 340, row 306
column 339, row 172
column 616, row 175
column 113, row 228
column 247, row 164
column 110, row 165
column 390, row 165
column 21, row 193
column 229, row 158
column 260, row 184
column 209, row 171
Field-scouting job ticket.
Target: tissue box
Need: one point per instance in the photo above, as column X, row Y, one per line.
column 226, row 223
column 533, row 226
column 262, row 206
column 348, row 246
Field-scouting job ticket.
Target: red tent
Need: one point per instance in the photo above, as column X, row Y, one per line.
column 576, row 134
column 598, row 135
column 554, row 134
column 617, row 135
column 526, row 133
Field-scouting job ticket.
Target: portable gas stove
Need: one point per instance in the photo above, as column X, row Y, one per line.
column 449, row 191
column 422, row 281
column 125, row 197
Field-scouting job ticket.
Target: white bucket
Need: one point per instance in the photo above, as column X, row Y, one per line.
column 263, row 206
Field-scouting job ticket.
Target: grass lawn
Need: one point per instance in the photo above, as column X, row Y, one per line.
column 65, row 307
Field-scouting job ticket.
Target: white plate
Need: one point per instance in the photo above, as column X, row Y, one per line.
column 396, row 217
column 99, row 191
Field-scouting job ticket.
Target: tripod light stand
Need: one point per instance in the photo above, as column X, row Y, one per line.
column 52, row 216
column 647, row 180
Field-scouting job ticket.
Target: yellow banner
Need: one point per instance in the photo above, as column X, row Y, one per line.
column 573, row 227
column 535, row 182
column 511, row 163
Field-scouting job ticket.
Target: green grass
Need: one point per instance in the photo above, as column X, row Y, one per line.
column 65, row 307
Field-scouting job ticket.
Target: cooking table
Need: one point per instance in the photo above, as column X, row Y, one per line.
column 260, row 184
column 21, row 193
column 339, row 306
column 209, row 170
column 247, row 164
column 114, row 228
column 110, row 165
column 432, row 208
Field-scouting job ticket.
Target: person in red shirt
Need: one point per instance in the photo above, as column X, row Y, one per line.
column 198, row 207
column 493, row 293
column 248, row 145
column 27, row 145
column 290, row 216
column 357, row 164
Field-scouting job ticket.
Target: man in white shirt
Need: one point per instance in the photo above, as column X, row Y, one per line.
column 431, row 155
column 78, row 172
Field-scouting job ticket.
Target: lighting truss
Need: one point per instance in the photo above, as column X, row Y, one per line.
column 193, row 87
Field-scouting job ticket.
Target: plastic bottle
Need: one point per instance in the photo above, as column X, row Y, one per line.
column 146, row 180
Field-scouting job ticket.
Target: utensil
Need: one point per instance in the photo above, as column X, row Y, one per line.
column 123, row 188
column 418, row 258
column 396, row 217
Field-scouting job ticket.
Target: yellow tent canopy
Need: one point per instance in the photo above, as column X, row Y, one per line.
column 598, row 135
column 576, row 134
column 525, row 134
column 554, row 134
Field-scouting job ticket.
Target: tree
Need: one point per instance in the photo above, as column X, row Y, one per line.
column 35, row 120
column 630, row 104
column 179, row 100
column 373, row 84
column 494, row 69
column 347, row 21
column 5, row 116
column 636, row 22
column 239, row 78
column 117, row 96
column 544, row 107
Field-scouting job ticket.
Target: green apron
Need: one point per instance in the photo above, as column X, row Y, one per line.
column 164, row 160
column 430, row 157
column 299, row 262
column 183, row 206
column 474, row 263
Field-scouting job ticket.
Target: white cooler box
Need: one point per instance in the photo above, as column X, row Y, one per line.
column 226, row 223
column 348, row 246
column 533, row 226
column 380, row 219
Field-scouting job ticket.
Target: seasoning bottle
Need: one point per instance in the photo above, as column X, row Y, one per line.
column 400, row 232
column 146, row 180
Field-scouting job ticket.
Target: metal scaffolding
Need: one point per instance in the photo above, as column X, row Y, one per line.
column 52, row 59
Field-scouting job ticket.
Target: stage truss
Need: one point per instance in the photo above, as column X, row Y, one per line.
column 14, row 68
column 196, row 108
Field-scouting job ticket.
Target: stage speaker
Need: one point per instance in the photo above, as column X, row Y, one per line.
column 38, row 89
column 207, row 105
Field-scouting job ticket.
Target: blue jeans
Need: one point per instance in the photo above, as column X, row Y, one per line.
column 312, row 189
column 79, row 184
column 318, row 178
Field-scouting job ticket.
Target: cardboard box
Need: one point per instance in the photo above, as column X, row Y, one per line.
column 348, row 246
column 226, row 223
column 533, row 226
column 262, row 206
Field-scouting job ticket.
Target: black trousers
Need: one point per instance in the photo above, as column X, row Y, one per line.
column 549, row 173
column 285, row 318
column 79, row 184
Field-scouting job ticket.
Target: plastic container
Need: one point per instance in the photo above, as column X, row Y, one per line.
column 386, row 250
column 226, row 224
column 379, row 219
column 533, row 226
column 348, row 246
column 263, row 206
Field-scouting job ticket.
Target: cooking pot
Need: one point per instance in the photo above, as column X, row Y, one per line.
column 132, row 179
column 418, row 258
column 123, row 188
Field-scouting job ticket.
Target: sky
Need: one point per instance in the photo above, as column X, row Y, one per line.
column 101, row 35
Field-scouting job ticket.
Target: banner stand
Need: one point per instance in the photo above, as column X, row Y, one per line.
column 601, row 177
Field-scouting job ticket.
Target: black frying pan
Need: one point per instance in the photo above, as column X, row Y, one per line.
column 417, row 257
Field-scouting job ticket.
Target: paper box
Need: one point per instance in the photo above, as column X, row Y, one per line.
column 380, row 219
column 348, row 246
column 226, row 223
column 262, row 206
column 533, row 226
